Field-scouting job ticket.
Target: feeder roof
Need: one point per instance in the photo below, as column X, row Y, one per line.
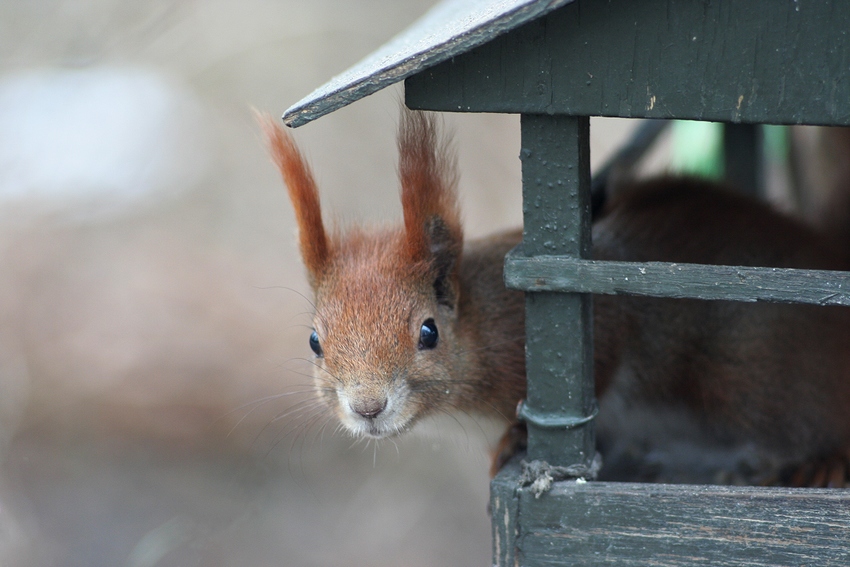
column 450, row 28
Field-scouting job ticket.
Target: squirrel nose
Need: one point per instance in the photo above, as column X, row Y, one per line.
column 369, row 408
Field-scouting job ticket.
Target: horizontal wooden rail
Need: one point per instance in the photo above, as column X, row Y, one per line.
column 657, row 525
column 662, row 279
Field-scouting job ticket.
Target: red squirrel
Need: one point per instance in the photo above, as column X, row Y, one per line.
column 411, row 321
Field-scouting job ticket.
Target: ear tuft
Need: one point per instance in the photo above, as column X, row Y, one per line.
column 303, row 193
column 428, row 174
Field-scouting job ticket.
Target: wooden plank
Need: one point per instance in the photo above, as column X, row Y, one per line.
column 754, row 61
column 559, row 345
column 657, row 525
column 661, row 279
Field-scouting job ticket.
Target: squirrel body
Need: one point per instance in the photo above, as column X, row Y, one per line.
column 411, row 322
column 774, row 375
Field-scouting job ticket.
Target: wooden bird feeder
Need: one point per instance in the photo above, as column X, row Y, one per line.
column 556, row 63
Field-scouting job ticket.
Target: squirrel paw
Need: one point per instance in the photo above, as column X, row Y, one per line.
column 513, row 442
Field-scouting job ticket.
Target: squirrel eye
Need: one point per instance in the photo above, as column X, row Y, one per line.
column 314, row 344
column 428, row 335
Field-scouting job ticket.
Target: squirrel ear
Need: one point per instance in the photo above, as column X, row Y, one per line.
column 304, row 195
column 445, row 251
column 428, row 196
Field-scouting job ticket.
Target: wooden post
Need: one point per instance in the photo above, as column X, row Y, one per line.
column 743, row 157
column 560, row 403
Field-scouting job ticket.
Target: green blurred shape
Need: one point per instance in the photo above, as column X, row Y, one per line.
column 697, row 148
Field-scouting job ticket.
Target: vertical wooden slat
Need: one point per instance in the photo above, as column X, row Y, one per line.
column 559, row 347
column 504, row 516
column 743, row 158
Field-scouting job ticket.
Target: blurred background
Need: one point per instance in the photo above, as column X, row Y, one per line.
column 152, row 299
column 154, row 315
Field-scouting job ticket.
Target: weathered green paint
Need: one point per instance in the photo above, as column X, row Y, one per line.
column 754, row 61
column 657, row 525
column 661, row 279
column 559, row 347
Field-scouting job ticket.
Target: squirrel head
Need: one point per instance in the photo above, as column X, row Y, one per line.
column 386, row 299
